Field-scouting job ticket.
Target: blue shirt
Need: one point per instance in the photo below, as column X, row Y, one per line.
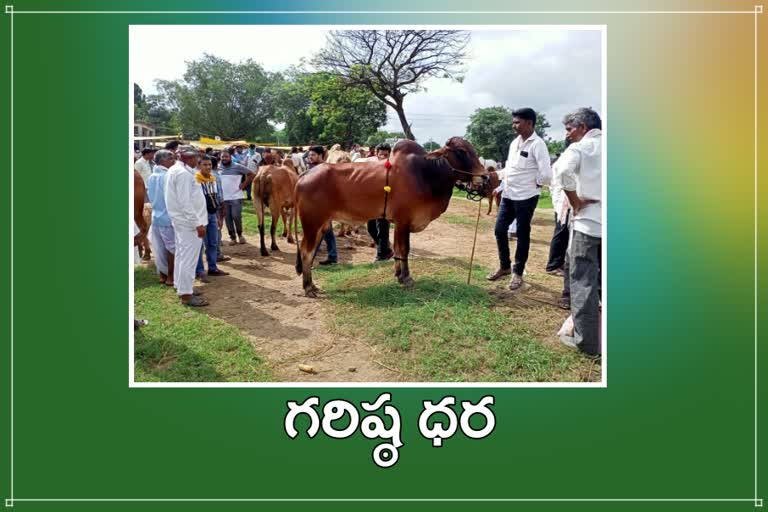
column 156, row 193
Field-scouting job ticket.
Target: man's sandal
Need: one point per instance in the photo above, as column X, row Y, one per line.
column 495, row 276
column 196, row 302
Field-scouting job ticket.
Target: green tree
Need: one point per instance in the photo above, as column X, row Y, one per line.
column 382, row 136
column 292, row 101
column 343, row 113
column 541, row 126
column 323, row 108
column 393, row 63
column 555, row 147
column 217, row 97
column 490, row 131
column 153, row 111
column 431, row 145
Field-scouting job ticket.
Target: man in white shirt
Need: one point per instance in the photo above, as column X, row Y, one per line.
column 559, row 244
column 355, row 154
column 251, row 162
column 298, row 160
column 253, row 159
column 185, row 203
column 145, row 164
column 161, row 236
column 527, row 169
column 579, row 173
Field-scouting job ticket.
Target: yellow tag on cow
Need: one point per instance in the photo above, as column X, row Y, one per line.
column 387, row 189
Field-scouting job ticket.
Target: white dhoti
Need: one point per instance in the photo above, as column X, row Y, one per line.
column 188, row 246
column 162, row 240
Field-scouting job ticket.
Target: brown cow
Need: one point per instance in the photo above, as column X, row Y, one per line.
column 287, row 162
column 139, row 217
column 273, row 188
column 420, row 191
column 491, row 185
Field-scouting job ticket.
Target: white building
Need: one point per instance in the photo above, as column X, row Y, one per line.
column 142, row 130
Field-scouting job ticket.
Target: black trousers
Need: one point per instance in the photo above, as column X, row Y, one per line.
column 379, row 231
column 559, row 245
column 510, row 210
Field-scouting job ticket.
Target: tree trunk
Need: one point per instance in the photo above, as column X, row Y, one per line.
column 403, row 121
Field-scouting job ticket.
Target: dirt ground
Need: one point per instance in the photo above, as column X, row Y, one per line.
column 288, row 329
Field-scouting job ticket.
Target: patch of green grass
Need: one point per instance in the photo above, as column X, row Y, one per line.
column 463, row 220
column 545, row 199
column 459, row 193
column 251, row 220
column 185, row 345
column 442, row 329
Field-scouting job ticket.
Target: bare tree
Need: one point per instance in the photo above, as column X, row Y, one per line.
column 393, row 63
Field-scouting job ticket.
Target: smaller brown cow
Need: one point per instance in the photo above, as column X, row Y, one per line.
column 289, row 164
column 273, row 188
column 490, row 186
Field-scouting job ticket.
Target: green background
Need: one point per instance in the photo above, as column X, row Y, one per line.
column 676, row 421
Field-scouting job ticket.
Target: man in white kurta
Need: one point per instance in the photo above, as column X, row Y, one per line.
column 579, row 173
column 185, row 203
column 145, row 164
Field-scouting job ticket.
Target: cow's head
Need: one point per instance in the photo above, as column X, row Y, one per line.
column 462, row 157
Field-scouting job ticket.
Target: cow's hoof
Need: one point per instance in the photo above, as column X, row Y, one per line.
column 264, row 252
column 406, row 281
column 275, row 248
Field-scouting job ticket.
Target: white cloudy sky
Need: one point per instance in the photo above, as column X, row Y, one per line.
column 551, row 70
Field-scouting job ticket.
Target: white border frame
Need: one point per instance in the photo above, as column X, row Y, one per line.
column 758, row 502
column 603, row 383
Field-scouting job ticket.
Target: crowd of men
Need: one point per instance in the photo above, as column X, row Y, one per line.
column 194, row 193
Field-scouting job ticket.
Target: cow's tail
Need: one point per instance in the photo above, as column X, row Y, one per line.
column 299, row 264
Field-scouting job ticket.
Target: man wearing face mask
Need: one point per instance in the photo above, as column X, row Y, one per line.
column 233, row 185
column 185, row 203
column 527, row 169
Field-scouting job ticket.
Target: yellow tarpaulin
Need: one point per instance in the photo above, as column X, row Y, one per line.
column 220, row 144
column 214, row 142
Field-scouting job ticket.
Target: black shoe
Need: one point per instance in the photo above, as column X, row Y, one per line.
column 328, row 262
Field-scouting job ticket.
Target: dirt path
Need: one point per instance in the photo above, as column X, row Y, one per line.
column 263, row 297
